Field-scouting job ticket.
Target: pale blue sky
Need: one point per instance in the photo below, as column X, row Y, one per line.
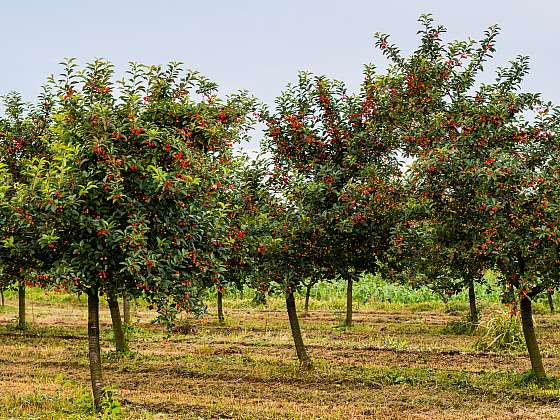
column 260, row 45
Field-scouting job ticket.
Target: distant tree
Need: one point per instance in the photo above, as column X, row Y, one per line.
column 335, row 165
column 22, row 143
column 425, row 255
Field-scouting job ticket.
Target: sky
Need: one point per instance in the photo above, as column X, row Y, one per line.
column 261, row 45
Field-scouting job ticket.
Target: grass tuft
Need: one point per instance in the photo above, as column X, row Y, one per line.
column 500, row 332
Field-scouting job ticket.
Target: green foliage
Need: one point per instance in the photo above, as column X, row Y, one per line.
column 369, row 291
column 477, row 156
column 334, row 165
column 111, row 407
column 371, row 288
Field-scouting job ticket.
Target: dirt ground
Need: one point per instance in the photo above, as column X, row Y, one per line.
column 393, row 364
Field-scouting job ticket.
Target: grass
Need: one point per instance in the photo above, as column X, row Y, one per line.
column 371, row 291
column 463, row 326
column 400, row 360
column 500, row 332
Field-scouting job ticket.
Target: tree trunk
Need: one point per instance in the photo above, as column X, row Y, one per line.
column 348, row 321
column 126, row 309
column 21, row 325
column 120, row 341
column 221, row 318
column 531, row 339
column 472, row 302
column 94, row 353
column 2, row 296
column 296, row 331
column 307, row 294
column 549, row 294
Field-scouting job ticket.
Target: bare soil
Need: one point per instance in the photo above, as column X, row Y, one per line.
column 390, row 365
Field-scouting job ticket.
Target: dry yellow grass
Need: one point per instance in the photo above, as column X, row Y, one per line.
column 392, row 364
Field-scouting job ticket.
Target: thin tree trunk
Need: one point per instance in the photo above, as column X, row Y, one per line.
column 549, row 294
column 2, row 296
column 221, row 318
column 531, row 339
column 94, row 352
column 472, row 302
column 296, row 331
column 120, row 341
column 307, row 295
column 348, row 321
column 21, row 325
column 126, row 309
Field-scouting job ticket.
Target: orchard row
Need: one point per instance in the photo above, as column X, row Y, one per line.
column 131, row 187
